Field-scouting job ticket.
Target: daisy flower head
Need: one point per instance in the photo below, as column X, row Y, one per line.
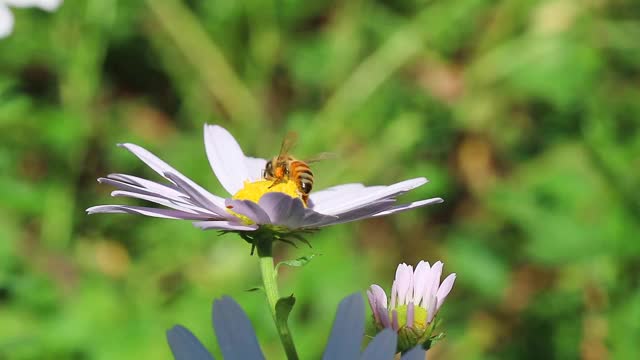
column 416, row 297
column 254, row 207
column 6, row 17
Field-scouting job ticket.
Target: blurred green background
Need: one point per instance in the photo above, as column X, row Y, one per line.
column 525, row 116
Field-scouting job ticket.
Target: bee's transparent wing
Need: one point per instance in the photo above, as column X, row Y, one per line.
column 320, row 157
column 288, row 142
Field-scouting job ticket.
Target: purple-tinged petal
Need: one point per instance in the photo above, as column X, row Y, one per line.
column 185, row 346
column 236, row 336
column 283, row 210
column 410, row 313
column 384, row 317
column 224, row 225
column 147, row 211
column 413, row 205
column 249, row 209
column 444, row 290
column 225, row 157
column 431, row 307
column 364, row 198
column 182, row 206
column 378, row 302
column 373, row 304
column 133, row 183
column 255, row 167
column 162, row 167
column 382, row 347
column 197, row 195
column 394, row 295
column 379, row 295
column 314, row 219
column 347, row 330
column 287, row 211
column 420, row 280
column 394, row 320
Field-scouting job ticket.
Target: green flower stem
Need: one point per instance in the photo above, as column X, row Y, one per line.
column 267, row 269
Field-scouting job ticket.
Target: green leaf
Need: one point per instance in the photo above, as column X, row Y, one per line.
column 283, row 309
column 299, row 262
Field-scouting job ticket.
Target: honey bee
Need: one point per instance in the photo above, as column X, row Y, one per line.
column 285, row 167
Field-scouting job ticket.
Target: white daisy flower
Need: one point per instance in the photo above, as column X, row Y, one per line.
column 416, row 297
column 253, row 204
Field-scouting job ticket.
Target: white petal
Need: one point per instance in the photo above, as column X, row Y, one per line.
column 160, row 194
column 434, row 279
column 153, row 212
column 6, row 21
column 133, row 183
column 162, row 167
column 363, row 198
column 364, row 212
column 413, row 205
column 444, row 290
column 327, row 198
column 182, row 206
column 224, row 225
column 255, row 167
column 197, row 195
column 226, row 158
column 419, row 281
column 404, row 279
column 48, row 5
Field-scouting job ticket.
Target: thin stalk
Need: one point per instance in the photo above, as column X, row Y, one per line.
column 207, row 58
column 267, row 269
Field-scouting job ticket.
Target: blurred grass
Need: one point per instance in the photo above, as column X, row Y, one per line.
column 523, row 114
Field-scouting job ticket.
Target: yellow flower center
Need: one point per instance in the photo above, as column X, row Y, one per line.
column 254, row 191
column 419, row 316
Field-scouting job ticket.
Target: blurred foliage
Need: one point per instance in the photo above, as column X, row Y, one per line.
column 525, row 116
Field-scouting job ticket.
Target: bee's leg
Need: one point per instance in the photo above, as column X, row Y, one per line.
column 276, row 182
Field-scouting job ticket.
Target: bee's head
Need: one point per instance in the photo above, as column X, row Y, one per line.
column 267, row 173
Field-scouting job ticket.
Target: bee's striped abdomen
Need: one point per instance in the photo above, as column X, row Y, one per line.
column 302, row 175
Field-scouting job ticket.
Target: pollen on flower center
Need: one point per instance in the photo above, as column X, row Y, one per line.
column 255, row 190
column 419, row 317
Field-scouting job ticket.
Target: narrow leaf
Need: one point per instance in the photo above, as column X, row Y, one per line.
column 299, row 262
column 283, row 309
